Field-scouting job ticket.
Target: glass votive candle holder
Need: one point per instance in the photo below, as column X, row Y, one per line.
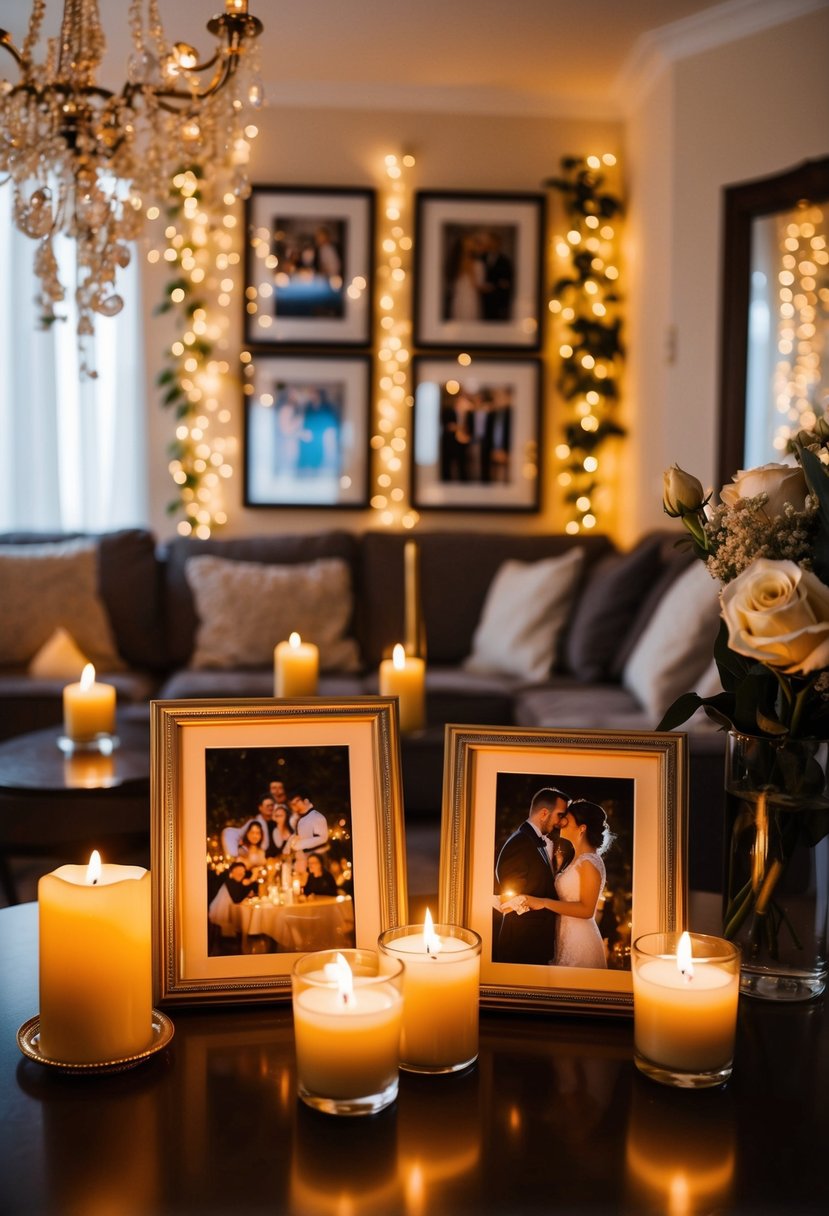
column 347, row 1007
column 441, row 992
column 685, row 992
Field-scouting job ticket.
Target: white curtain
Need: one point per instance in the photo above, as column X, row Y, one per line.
column 73, row 451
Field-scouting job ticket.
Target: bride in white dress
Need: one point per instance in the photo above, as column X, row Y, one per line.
column 579, row 942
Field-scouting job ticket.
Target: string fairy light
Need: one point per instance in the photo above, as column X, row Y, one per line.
column 201, row 254
column 586, row 304
column 391, row 437
column 802, row 299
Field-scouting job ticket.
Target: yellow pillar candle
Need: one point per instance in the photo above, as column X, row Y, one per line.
column 95, row 962
column 404, row 676
column 347, row 1011
column 88, row 708
column 685, row 993
column 295, row 668
column 441, row 987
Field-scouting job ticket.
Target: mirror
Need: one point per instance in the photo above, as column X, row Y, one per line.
column 774, row 367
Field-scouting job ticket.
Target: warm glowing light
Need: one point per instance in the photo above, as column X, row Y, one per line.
column 93, row 870
column 431, row 941
column 683, row 956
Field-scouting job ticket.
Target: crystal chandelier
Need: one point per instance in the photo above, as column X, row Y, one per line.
column 85, row 161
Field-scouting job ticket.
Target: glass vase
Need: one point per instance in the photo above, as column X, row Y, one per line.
column 776, row 890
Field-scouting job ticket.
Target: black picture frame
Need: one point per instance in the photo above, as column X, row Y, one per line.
column 309, row 266
column 476, row 434
column 306, row 430
column 478, row 271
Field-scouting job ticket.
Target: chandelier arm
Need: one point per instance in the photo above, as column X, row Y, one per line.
column 8, row 45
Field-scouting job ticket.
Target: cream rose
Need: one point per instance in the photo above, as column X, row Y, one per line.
column 681, row 492
column 778, row 614
column 782, row 482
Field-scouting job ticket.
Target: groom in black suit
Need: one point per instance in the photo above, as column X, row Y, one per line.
column 524, row 868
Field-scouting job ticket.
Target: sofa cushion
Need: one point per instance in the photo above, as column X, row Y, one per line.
column 676, row 646
column 46, row 586
column 245, row 608
column 524, row 613
column 59, row 658
column 189, row 684
column 674, row 560
column 181, row 621
column 607, row 606
column 129, row 585
column 565, row 704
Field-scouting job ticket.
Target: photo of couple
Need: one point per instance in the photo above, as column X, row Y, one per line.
column 479, row 272
column 310, row 254
column 563, row 872
column 307, row 419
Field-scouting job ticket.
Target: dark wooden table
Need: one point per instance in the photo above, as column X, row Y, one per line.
column 553, row 1119
column 52, row 804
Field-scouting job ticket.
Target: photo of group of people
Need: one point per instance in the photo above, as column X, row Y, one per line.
column 280, row 860
column 310, row 265
column 478, row 272
column 475, row 432
column 563, row 871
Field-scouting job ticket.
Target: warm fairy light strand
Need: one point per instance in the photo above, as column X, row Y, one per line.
column 585, row 302
column 200, row 250
column 802, row 297
column 394, row 401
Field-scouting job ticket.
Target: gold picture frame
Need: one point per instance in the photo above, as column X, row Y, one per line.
column 221, row 935
column 640, row 779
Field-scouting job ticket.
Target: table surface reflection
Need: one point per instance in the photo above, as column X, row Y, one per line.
column 554, row 1118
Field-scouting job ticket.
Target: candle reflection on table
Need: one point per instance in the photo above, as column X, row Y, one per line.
column 679, row 1158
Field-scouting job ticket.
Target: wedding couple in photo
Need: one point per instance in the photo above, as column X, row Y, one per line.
column 548, row 904
column 479, row 278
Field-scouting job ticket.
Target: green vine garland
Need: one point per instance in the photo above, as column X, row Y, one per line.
column 586, row 300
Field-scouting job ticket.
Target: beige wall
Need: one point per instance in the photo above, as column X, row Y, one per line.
column 745, row 110
column 348, row 147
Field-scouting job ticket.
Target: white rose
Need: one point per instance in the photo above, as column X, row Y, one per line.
column 782, row 482
column 681, row 492
column 779, row 614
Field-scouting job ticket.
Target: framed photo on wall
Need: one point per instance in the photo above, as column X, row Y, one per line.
column 277, row 829
column 309, row 261
column 307, row 431
column 478, row 271
column 476, row 434
column 513, row 850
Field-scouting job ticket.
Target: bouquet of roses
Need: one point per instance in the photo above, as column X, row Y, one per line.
column 767, row 542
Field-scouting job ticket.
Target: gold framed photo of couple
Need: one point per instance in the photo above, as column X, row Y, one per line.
column 307, row 430
column 476, row 434
column 534, row 820
column 277, row 829
column 478, row 271
column 309, row 266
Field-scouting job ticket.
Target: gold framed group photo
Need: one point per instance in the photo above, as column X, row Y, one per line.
column 536, row 818
column 277, row 829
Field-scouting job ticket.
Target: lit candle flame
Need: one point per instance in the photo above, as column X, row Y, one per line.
column 340, row 972
column 295, row 641
column 87, row 677
column 431, row 940
column 398, row 657
column 683, row 956
column 93, row 870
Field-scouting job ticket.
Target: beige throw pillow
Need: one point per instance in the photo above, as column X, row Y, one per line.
column 49, row 586
column 676, row 646
column 245, row 608
column 58, row 658
column 525, row 610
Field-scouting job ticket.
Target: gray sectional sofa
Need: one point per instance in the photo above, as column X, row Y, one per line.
column 148, row 595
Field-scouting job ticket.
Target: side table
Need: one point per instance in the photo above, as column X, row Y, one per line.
column 55, row 804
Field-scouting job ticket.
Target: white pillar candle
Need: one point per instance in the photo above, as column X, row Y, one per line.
column 685, row 1007
column 404, row 676
column 441, row 988
column 95, row 963
column 347, row 1010
column 295, row 668
column 88, row 708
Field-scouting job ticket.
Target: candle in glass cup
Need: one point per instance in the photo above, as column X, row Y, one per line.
column 403, row 676
column 347, row 1012
column 685, row 993
column 441, row 990
column 88, row 708
column 295, row 668
column 95, row 962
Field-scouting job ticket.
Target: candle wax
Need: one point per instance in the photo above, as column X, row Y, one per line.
column 347, row 1050
column 681, row 1023
column 440, row 1001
